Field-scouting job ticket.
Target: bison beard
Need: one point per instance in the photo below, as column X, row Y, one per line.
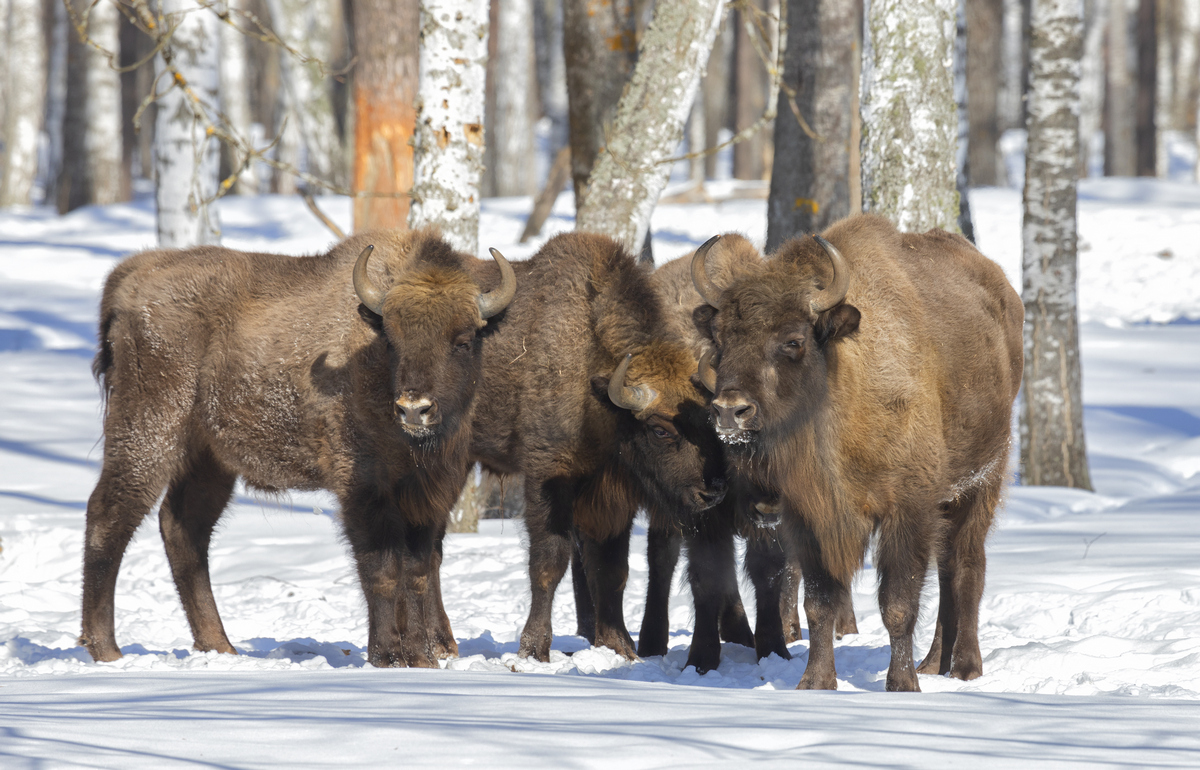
column 869, row 378
column 589, row 395
column 218, row 364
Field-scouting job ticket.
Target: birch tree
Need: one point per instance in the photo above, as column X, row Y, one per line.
column 1053, row 451
column 510, row 167
column 1091, row 79
column 235, row 94
column 985, row 28
column 753, row 37
column 909, row 119
column 23, row 93
column 186, row 157
column 810, row 187
column 629, row 176
column 91, row 169
column 385, row 87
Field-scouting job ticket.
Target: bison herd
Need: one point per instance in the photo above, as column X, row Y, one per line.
column 853, row 384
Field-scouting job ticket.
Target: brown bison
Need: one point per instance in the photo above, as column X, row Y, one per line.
column 868, row 376
column 348, row 371
column 588, row 394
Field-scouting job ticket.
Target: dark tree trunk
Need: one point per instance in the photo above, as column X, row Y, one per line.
column 600, row 49
column 1120, row 157
column 750, row 94
column 810, row 187
column 1147, row 89
column 385, row 87
column 985, row 25
column 716, row 92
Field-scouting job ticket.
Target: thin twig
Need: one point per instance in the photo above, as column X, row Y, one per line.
column 312, row 206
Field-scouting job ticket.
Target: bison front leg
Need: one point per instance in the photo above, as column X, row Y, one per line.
column 766, row 564
column 186, row 519
column 585, row 610
column 606, row 564
column 712, row 575
column 548, row 514
column 442, row 635
column 418, row 589
column 662, row 553
column 821, row 591
column 902, row 558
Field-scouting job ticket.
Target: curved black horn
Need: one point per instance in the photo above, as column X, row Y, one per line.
column 708, row 290
column 634, row 399
column 706, row 372
column 368, row 292
column 498, row 298
column 835, row 292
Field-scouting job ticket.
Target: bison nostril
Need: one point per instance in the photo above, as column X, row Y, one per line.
column 422, row 410
column 744, row 412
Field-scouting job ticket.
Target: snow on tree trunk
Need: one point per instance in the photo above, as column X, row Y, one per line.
column 810, row 187
column 1053, row 451
column 448, row 143
column 629, row 175
column 385, row 87
column 24, row 93
column 306, row 26
column 510, row 141
column 909, row 118
column 91, row 172
column 1120, row 149
column 235, row 92
column 186, row 159
column 1091, row 79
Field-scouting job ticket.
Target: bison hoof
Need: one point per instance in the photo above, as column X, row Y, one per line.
column 536, row 649
column 764, row 647
column 704, row 659
column 903, row 682
column 648, row 648
column 813, row 681
column 966, row 670
column 445, row 648
column 622, row 644
column 792, row 633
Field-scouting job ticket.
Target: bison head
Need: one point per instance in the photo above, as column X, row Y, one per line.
column 773, row 328
column 665, row 438
column 429, row 319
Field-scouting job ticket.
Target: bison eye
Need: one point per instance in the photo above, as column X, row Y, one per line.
column 660, row 432
column 793, row 347
column 463, row 344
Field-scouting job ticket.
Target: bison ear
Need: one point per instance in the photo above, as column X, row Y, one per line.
column 702, row 317
column 836, row 323
column 373, row 320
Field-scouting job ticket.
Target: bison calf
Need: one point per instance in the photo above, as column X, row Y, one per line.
column 350, row 371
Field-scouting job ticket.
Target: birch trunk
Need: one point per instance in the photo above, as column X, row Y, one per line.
column 962, row 166
column 1053, row 452
column 909, row 118
column 511, row 165
column 629, row 176
column 600, row 49
column 307, row 27
column 91, row 172
column 448, row 143
column 1011, row 100
column 1166, row 82
column 235, row 94
column 186, row 158
column 1091, row 80
column 810, row 187
column 24, row 94
column 385, row 87
column 1120, row 158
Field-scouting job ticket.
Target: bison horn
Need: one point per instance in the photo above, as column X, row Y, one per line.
column 368, row 293
column 497, row 299
column 708, row 290
column 635, row 398
column 835, row 292
column 708, row 375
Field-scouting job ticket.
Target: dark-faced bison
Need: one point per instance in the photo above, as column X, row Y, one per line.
column 351, row 371
column 589, row 395
column 868, row 376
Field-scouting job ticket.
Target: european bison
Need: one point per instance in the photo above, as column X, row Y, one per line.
column 868, row 376
column 592, row 399
column 348, row 371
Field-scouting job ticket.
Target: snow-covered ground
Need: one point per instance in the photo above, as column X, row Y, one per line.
column 1090, row 625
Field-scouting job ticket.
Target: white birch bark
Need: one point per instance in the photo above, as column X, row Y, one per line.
column 516, row 97
column 628, row 175
column 1165, row 87
column 1091, row 80
column 307, row 27
column 448, row 142
column 909, row 118
column 24, row 94
column 235, row 91
column 1052, row 441
column 186, row 159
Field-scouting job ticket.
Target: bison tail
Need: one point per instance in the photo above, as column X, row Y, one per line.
column 102, row 364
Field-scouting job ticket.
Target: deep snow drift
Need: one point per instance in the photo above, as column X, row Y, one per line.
column 1090, row 625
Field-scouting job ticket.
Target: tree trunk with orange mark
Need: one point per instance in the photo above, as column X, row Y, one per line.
column 385, row 87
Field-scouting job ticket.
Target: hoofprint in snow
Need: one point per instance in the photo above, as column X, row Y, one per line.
column 1090, row 625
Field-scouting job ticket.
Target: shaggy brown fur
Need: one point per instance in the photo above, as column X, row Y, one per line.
column 220, row 364
column 589, row 464
column 887, row 413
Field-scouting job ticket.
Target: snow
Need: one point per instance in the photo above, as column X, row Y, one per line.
column 1090, row 625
